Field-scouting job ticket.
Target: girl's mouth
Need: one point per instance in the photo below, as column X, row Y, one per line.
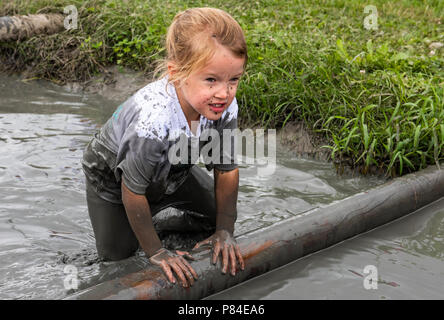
column 217, row 107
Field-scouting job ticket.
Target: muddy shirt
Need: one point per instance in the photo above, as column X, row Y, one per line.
column 144, row 140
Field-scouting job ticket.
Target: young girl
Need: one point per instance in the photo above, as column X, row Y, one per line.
column 129, row 176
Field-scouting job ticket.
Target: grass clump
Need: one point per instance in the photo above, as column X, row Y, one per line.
column 377, row 95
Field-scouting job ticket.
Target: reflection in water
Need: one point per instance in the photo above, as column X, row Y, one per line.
column 44, row 223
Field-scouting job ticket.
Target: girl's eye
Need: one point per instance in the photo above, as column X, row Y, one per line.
column 234, row 80
column 210, row 79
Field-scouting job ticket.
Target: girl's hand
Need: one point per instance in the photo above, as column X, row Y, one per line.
column 223, row 242
column 168, row 260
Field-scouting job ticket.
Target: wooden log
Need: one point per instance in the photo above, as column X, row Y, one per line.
column 21, row 27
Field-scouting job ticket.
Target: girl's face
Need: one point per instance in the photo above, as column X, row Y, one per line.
column 210, row 90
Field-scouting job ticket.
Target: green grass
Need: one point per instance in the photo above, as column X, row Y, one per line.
column 377, row 95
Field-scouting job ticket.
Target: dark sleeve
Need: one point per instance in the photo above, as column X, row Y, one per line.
column 138, row 160
column 227, row 142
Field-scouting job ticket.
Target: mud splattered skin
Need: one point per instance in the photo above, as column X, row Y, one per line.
column 136, row 139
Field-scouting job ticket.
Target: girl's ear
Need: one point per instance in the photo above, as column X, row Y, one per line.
column 171, row 68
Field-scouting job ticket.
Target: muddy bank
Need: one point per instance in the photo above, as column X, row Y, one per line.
column 303, row 142
column 114, row 83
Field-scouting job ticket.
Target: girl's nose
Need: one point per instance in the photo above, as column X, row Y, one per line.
column 223, row 91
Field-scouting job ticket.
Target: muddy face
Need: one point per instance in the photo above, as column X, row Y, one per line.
column 211, row 90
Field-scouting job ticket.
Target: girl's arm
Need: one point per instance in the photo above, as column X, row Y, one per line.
column 139, row 217
column 226, row 185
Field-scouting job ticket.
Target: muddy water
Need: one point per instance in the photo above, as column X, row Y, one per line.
column 407, row 255
column 44, row 224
